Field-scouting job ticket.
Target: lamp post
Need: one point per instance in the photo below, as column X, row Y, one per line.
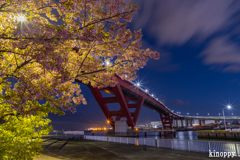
column 228, row 107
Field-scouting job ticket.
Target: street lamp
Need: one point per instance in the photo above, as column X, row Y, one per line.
column 228, row 107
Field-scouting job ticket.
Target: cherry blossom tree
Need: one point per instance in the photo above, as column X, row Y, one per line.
column 46, row 45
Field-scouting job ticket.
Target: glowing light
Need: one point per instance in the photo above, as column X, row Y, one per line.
column 137, row 144
column 187, row 113
column 208, row 114
column 229, row 107
column 136, row 129
column 107, row 63
column 219, row 114
column 146, row 90
column 197, row 113
column 138, row 84
column 108, row 121
column 21, row 18
column 157, row 98
column 97, row 129
column 152, row 95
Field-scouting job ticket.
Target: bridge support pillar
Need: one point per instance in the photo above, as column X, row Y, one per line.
column 166, row 121
column 190, row 121
column 176, row 123
column 200, row 122
column 203, row 122
column 186, row 122
column 182, row 123
column 120, row 98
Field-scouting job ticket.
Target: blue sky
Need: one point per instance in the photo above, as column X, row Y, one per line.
column 199, row 65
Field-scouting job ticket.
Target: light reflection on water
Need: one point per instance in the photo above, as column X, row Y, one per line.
column 181, row 135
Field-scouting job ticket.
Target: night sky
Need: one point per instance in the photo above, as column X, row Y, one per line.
column 199, row 66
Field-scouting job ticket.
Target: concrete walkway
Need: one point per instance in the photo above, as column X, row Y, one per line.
column 96, row 150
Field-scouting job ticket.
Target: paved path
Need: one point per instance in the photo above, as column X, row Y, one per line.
column 96, row 150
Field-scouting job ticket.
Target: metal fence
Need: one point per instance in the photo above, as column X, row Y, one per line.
column 187, row 145
column 74, row 132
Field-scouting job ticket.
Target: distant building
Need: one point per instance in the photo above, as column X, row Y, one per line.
column 209, row 121
column 141, row 126
column 154, row 124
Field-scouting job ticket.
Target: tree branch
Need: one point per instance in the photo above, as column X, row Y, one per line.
column 103, row 19
column 83, row 60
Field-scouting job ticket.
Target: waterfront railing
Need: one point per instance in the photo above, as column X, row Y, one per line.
column 187, row 145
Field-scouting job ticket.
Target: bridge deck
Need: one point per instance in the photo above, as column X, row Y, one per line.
column 133, row 92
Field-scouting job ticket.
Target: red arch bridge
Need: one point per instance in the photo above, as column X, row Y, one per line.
column 124, row 92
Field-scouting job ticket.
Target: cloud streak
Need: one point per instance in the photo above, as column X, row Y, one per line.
column 223, row 53
column 175, row 22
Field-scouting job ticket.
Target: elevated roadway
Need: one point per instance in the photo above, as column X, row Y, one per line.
column 218, row 118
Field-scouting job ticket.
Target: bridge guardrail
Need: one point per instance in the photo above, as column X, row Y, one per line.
column 187, row 145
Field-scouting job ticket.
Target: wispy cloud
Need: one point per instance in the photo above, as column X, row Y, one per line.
column 176, row 22
column 222, row 53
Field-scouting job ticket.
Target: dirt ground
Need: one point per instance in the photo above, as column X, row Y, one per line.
column 96, row 150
